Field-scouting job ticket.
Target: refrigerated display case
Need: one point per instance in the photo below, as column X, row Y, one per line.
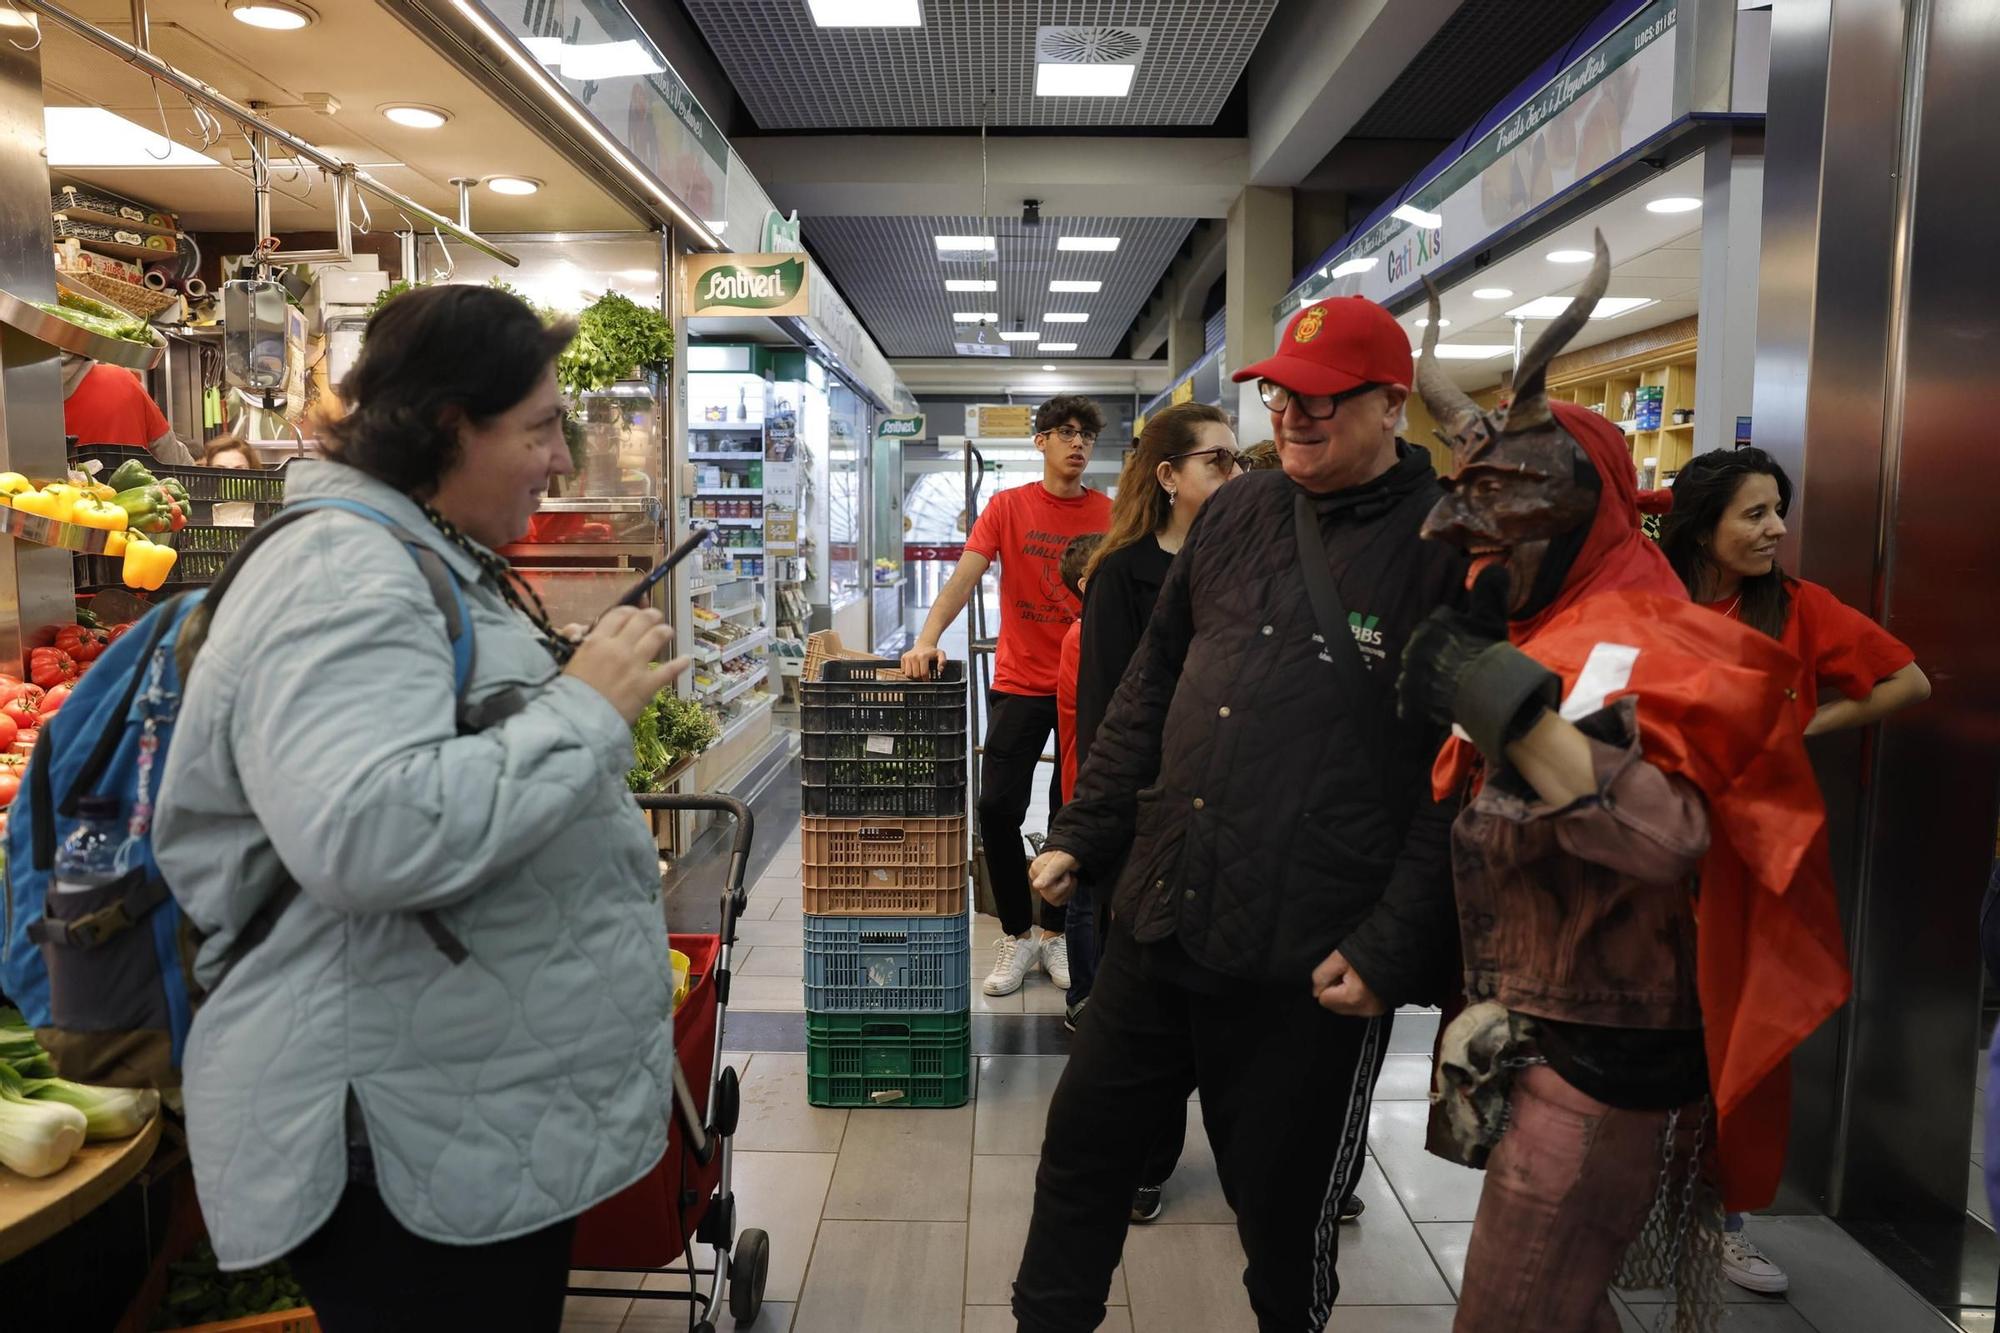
column 731, row 416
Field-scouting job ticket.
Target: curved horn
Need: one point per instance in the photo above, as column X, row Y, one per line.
column 1450, row 405
column 1531, row 400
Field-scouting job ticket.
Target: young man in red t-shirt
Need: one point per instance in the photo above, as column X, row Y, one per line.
column 1025, row 529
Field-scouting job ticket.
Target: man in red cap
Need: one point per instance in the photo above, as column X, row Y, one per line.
column 1288, row 882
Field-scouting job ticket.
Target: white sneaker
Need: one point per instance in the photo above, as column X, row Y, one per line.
column 1745, row 1265
column 1013, row 959
column 1055, row 959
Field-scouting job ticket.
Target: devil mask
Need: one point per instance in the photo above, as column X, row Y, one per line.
column 1521, row 492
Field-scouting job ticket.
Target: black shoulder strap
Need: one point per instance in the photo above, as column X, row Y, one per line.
column 1337, row 644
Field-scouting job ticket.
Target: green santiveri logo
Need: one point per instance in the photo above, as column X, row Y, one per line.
column 763, row 288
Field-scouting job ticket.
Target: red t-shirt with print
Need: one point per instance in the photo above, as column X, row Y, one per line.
column 1026, row 529
column 1072, row 662
column 1838, row 647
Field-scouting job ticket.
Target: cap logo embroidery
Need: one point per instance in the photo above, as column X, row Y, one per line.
column 1309, row 325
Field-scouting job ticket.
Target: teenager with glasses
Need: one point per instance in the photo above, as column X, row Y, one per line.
column 1026, row 530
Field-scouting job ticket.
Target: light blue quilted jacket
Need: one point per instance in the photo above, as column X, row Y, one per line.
column 501, row 1094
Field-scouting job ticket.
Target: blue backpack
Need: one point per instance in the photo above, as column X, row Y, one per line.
column 103, row 975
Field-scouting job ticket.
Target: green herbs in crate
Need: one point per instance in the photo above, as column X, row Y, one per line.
column 912, row 1060
column 670, row 730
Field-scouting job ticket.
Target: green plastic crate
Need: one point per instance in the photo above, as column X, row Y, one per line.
column 917, row 1060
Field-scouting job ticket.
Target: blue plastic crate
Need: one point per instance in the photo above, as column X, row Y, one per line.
column 888, row 964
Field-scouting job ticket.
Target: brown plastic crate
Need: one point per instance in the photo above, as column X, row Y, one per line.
column 883, row 867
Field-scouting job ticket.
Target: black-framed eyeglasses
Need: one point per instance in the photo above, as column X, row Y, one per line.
column 1318, row 406
column 1223, row 459
column 1071, row 434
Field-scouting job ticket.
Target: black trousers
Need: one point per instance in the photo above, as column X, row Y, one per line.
column 364, row 1273
column 1018, row 730
column 1284, row 1086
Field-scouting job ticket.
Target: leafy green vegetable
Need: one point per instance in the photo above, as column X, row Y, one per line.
column 110, row 324
column 615, row 339
column 201, row 1293
column 391, row 292
column 669, row 730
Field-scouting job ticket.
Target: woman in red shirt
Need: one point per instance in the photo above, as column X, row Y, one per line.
column 1721, row 536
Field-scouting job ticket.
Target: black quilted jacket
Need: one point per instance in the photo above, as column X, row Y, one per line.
column 1269, row 818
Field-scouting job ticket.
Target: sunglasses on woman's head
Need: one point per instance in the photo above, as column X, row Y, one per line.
column 1317, row 406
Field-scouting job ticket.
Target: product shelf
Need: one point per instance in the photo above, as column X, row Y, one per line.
column 748, row 643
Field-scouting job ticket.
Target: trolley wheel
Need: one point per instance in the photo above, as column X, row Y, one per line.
column 728, row 1103
column 748, row 1269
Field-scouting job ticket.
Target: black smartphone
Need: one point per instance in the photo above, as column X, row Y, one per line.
column 637, row 595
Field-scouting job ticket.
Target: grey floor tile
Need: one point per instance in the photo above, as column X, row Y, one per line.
column 1447, row 1242
column 671, row 1317
column 904, row 1165
column 1014, row 1092
column 885, row 1277
column 775, row 1115
column 1976, row 1201
column 775, row 960
column 1000, row 1319
column 790, row 907
column 780, row 1194
column 1040, row 996
column 1405, row 1078
column 594, row 1314
column 1413, row 1034
column 982, row 1003
column 1769, row 1315
column 1836, row 1284
column 1431, row 1189
column 759, row 907
column 767, row 994
column 1391, row 1318
column 1003, row 1197
column 1382, row 1259
column 1977, row 1321
column 788, row 933
column 1187, row 1280
column 1194, row 1195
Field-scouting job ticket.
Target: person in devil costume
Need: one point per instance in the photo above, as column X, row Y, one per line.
column 1647, row 920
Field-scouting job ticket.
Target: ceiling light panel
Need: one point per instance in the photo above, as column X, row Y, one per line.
column 1673, row 203
column 892, row 273
column 976, row 317
column 1084, row 80
column 1102, row 244
column 975, row 60
column 1610, row 307
column 1492, row 293
column 87, row 136
column 1066, row 317
column 1090, row 285
column 272, row 15
column 1570, row 256
column 970, row 285
column 512, row 184
column 867, row 13
column 1056, row 347
column 964, row 244
column 1014, row 337
column 416, row 116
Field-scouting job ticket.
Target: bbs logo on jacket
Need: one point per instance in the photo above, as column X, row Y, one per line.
column 1368, row 637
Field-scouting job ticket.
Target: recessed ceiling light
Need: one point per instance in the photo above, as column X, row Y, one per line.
column 945, row 243
column 1084, row 80
column 1013, row 337
column 1056, row 347
column 1492, row 293
column 275, row 15
column 971, row 285
column 1073, row 317
column 1570, row 256
column 1102, row 243
column 416, row 116
column 1467, row 351
column 1048, row 368
column 975, row 317
column 1353, row 266
column 1548, row 307
column 88, row 136
column 1425, row 323
column 1410, row 213
column 1076, row 285
column 1677, row 203
column 867, row 13
column 512, row 184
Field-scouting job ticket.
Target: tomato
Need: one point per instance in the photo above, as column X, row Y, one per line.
column 10, row 786
column 24, row 745
column 118, row 632
column 8, row 684
column 9, row 732
column 24, row 708
column 54, row 699
column 49, row 667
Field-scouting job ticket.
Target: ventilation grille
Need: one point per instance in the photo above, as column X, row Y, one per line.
column 1090, row 46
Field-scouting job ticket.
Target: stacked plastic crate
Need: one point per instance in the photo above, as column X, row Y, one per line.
column 888, row 947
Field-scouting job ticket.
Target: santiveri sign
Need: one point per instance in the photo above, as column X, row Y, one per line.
column 767, row 284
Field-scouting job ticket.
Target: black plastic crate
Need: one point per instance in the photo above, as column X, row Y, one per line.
column 206, row 486
column 194, row 569
column 947, row 747
column 873, row 698
column 884, row 802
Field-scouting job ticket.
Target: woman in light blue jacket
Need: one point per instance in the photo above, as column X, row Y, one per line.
column 439, row 1019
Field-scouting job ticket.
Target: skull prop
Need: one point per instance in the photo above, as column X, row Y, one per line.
column 1474, row 1077
column 1514, row 486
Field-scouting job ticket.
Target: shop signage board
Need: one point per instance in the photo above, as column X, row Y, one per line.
column 781, row 532
column 782, row 234
column 781, row 486
column 759, row 284
column 1604, row 105
column 900, row 428
column 589, row 46
column 992, row 421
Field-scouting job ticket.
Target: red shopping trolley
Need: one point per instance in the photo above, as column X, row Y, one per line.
column 687, row 1198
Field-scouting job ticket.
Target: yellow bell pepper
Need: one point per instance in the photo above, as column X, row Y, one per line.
column 114, row 545
column 44, row 504
column 147, row 564
column 13, row 483
column 89, row 512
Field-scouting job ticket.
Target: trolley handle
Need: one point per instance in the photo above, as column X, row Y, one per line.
column 727, row 805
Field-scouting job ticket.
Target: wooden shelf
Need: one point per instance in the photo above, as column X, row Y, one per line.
column 33, row 1210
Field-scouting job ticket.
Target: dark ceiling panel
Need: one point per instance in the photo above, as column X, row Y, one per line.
column 1475, row 59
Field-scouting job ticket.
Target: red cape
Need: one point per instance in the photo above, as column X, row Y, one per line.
column 1714, row 707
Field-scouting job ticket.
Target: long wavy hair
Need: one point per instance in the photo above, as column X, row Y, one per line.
column 1143, row 506
column 1703, row 494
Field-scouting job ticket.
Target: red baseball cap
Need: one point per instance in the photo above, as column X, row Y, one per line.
column 1333, row 345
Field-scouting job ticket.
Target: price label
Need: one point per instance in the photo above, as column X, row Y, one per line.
column 882, row 745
